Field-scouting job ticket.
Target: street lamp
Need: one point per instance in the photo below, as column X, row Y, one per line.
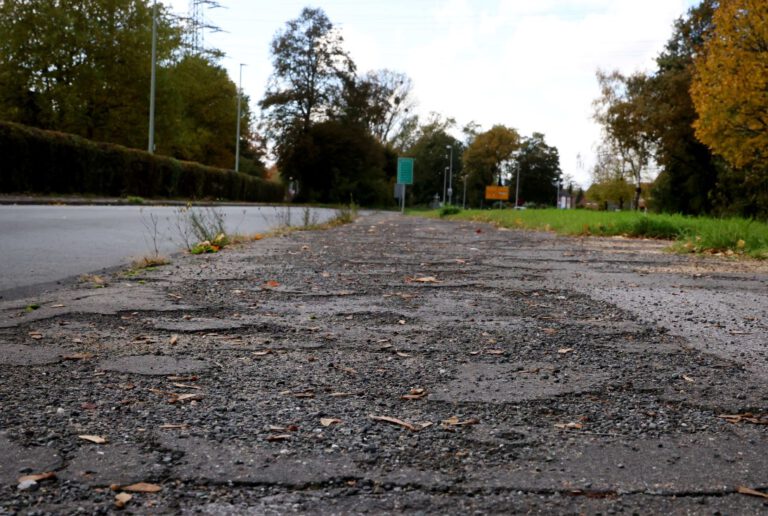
column 517, row 185
column 237, row 137
column 449, row 148
column 153, row 81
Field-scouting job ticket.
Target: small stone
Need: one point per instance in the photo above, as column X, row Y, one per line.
column 61, row 412
column 27, row 485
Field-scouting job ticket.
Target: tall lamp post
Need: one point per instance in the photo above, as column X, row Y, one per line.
column 517, row 185
column 237, row 136
column 153, row 81
column 449, row 148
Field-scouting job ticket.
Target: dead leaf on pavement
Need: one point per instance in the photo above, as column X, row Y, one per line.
column 424, row 279
column 183, row 378
column 121, row 499
column 142, row 487
column 747, row 417
column 36, row 335
column 395, row 421
column 278, row 437
column 565, row 351
column 402, row 355
column 49, row 475
column 57, row 306
column 174, row 426
column 495, row 351
column 79, row 356
column 328, row 421
column 688, row 378
column 751, row 492
column 340, row 394
column 262, row 353
column 550, row 331
column 174, row 340
column 455, row 421
column 181, row 398
column 569, row 426
column 96, row 439
column 186, row 386
column 415, row 394
column 271, row 284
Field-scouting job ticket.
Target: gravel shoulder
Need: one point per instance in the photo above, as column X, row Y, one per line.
column 394, row 365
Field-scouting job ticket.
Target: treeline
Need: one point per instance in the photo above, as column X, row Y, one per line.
column 700, row 117
column 337, row 133
column 84, row 68
column 48, row 162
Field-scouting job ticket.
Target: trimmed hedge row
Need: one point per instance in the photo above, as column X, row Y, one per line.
column 37, row 161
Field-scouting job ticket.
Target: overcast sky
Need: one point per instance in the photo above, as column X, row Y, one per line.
column 527, row 64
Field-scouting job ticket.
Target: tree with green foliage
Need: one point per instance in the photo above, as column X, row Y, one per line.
column 335, row 162
column 310, row 70
column 624, row 124
column 689, row 171
column 488, row 159
column 538, row 165
column 430, row 150
column 81, row 67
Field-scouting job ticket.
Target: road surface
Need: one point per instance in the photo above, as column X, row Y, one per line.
column 44, row 244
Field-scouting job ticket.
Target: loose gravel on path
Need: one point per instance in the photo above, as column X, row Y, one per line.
column 394, row 365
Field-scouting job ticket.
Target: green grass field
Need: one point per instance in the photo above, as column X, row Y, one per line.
column 731, row 236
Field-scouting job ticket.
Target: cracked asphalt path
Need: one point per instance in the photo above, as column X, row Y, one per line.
column 394, row 365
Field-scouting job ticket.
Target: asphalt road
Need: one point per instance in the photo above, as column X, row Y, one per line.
column 44, row 244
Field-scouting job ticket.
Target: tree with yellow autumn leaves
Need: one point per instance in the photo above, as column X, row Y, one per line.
column 730, row 90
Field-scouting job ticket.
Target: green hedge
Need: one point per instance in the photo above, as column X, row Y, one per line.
column 45, row 162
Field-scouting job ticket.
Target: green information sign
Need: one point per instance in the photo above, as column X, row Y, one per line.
column 405, row 171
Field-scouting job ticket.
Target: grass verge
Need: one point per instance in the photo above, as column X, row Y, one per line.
column 731, row 236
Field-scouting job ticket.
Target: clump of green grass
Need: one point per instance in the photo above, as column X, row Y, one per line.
column 732, row 236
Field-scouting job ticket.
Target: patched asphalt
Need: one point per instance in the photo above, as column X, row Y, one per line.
column 397, row 365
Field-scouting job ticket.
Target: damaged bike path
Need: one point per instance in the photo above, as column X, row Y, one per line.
column 394, row 365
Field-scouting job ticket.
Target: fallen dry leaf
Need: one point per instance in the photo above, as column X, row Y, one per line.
column 57, row 306
column 96, row 439
column 751, row 492
column 688, row 378
column 747, row 417
column 305, row 394
column 79, row 356
column 174, row 340
column 402, row 355
column 49, row 475
column 121, row 499
column 262, row 353
column 181, row 398
column 186, row 386
column 327, row 421
column 425, row 279
column 35, row 335
column 340, row 394
column 271, row 284
column 183, row 378
column 394, row 421
column 414, row 394
column 174, row 426
column 495, row 351
column 278, row 437
column 455, row 421
column 550, row 331
column 565, row 351
column 569, row 426
column 143, row 487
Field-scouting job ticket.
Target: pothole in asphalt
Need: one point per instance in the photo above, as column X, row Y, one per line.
column 23, row 355
column 154, row 365
column 510, row 383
